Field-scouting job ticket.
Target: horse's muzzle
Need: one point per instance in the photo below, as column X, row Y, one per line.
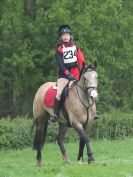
column 93, row 95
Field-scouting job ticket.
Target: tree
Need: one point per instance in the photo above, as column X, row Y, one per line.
column 28, row 39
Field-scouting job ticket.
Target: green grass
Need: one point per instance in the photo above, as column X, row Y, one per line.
column 113, row 159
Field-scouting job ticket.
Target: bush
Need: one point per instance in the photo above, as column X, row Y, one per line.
column 71, row 135
column 114, row 125
column 16, row 133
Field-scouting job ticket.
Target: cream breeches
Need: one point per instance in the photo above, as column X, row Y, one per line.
column 61, row 83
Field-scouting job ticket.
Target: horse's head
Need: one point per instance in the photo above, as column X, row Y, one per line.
column 91, row 81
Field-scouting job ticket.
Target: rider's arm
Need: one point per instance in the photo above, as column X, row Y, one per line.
column 62, row 69
column 60, row 62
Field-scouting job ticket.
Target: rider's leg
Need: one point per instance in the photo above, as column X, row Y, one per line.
column 94, row 113
column 61, row 83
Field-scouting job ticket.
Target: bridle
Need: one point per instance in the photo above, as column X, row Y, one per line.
column 87, row 94
column 87, row 91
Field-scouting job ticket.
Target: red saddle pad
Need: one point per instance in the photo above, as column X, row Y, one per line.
column 49, row 98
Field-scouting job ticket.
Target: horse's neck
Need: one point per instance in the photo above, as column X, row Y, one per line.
column 81, row 89
column 78, row 93
column 81, row 82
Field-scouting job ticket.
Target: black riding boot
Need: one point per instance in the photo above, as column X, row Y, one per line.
column 54, row 116
column 97, row 116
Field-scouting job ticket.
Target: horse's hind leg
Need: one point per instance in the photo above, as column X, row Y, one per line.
column 83, row 135
column 41, row 129
column 60, row 140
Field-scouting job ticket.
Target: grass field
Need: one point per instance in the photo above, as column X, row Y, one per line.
column 113, row 159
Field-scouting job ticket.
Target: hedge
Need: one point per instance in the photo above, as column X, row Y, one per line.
column 114, row 125
column 16, row 133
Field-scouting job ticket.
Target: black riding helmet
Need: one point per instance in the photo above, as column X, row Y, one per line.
column 64, row 29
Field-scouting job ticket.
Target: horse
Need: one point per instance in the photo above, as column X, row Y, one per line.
column 80, row 109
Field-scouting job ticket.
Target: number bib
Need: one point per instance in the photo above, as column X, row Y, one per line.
column 69, row 54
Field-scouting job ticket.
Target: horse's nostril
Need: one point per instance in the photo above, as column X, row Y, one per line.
column 92, row 99
column 93, row 93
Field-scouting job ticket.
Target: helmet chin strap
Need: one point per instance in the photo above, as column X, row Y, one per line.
column 71, row 39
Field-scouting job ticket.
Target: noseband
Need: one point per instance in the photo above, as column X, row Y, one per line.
column 90, row 90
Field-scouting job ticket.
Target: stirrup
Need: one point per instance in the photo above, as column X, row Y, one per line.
column 97, row 116
column 53, row 118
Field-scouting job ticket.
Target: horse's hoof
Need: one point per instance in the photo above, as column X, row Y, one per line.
column 38, row 164
column 66, row 159
column 67, row 162
column 80, row 162
column 92, row 161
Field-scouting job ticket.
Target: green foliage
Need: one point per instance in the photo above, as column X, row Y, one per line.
column 71, row 135
column 114, row 125
column 28, row 39
column 16, row 133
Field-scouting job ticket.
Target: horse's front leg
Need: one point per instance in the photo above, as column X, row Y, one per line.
column 83, row 135
column 60, row 140
column 81, row 150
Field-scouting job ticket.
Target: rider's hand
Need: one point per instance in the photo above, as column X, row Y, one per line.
column 75, row 82
column 72, row 83
column 70, row 77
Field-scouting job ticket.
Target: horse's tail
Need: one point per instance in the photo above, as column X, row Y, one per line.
column 45, row 132
column 41, row 132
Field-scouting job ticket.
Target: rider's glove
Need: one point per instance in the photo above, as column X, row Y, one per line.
column 70, row 77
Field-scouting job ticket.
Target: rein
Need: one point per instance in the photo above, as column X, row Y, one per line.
column 84, row 90
column 86, row 107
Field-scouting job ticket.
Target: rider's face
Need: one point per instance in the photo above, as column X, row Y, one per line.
column 66, row 37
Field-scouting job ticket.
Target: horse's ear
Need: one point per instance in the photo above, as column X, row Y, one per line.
column 95, row 64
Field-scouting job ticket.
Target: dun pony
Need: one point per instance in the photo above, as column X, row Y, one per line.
column 80, row 107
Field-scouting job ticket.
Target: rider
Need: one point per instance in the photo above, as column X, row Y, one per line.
column 70, row 60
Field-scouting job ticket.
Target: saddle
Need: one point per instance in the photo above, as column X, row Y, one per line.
column 49, row 100
column 49, row 97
